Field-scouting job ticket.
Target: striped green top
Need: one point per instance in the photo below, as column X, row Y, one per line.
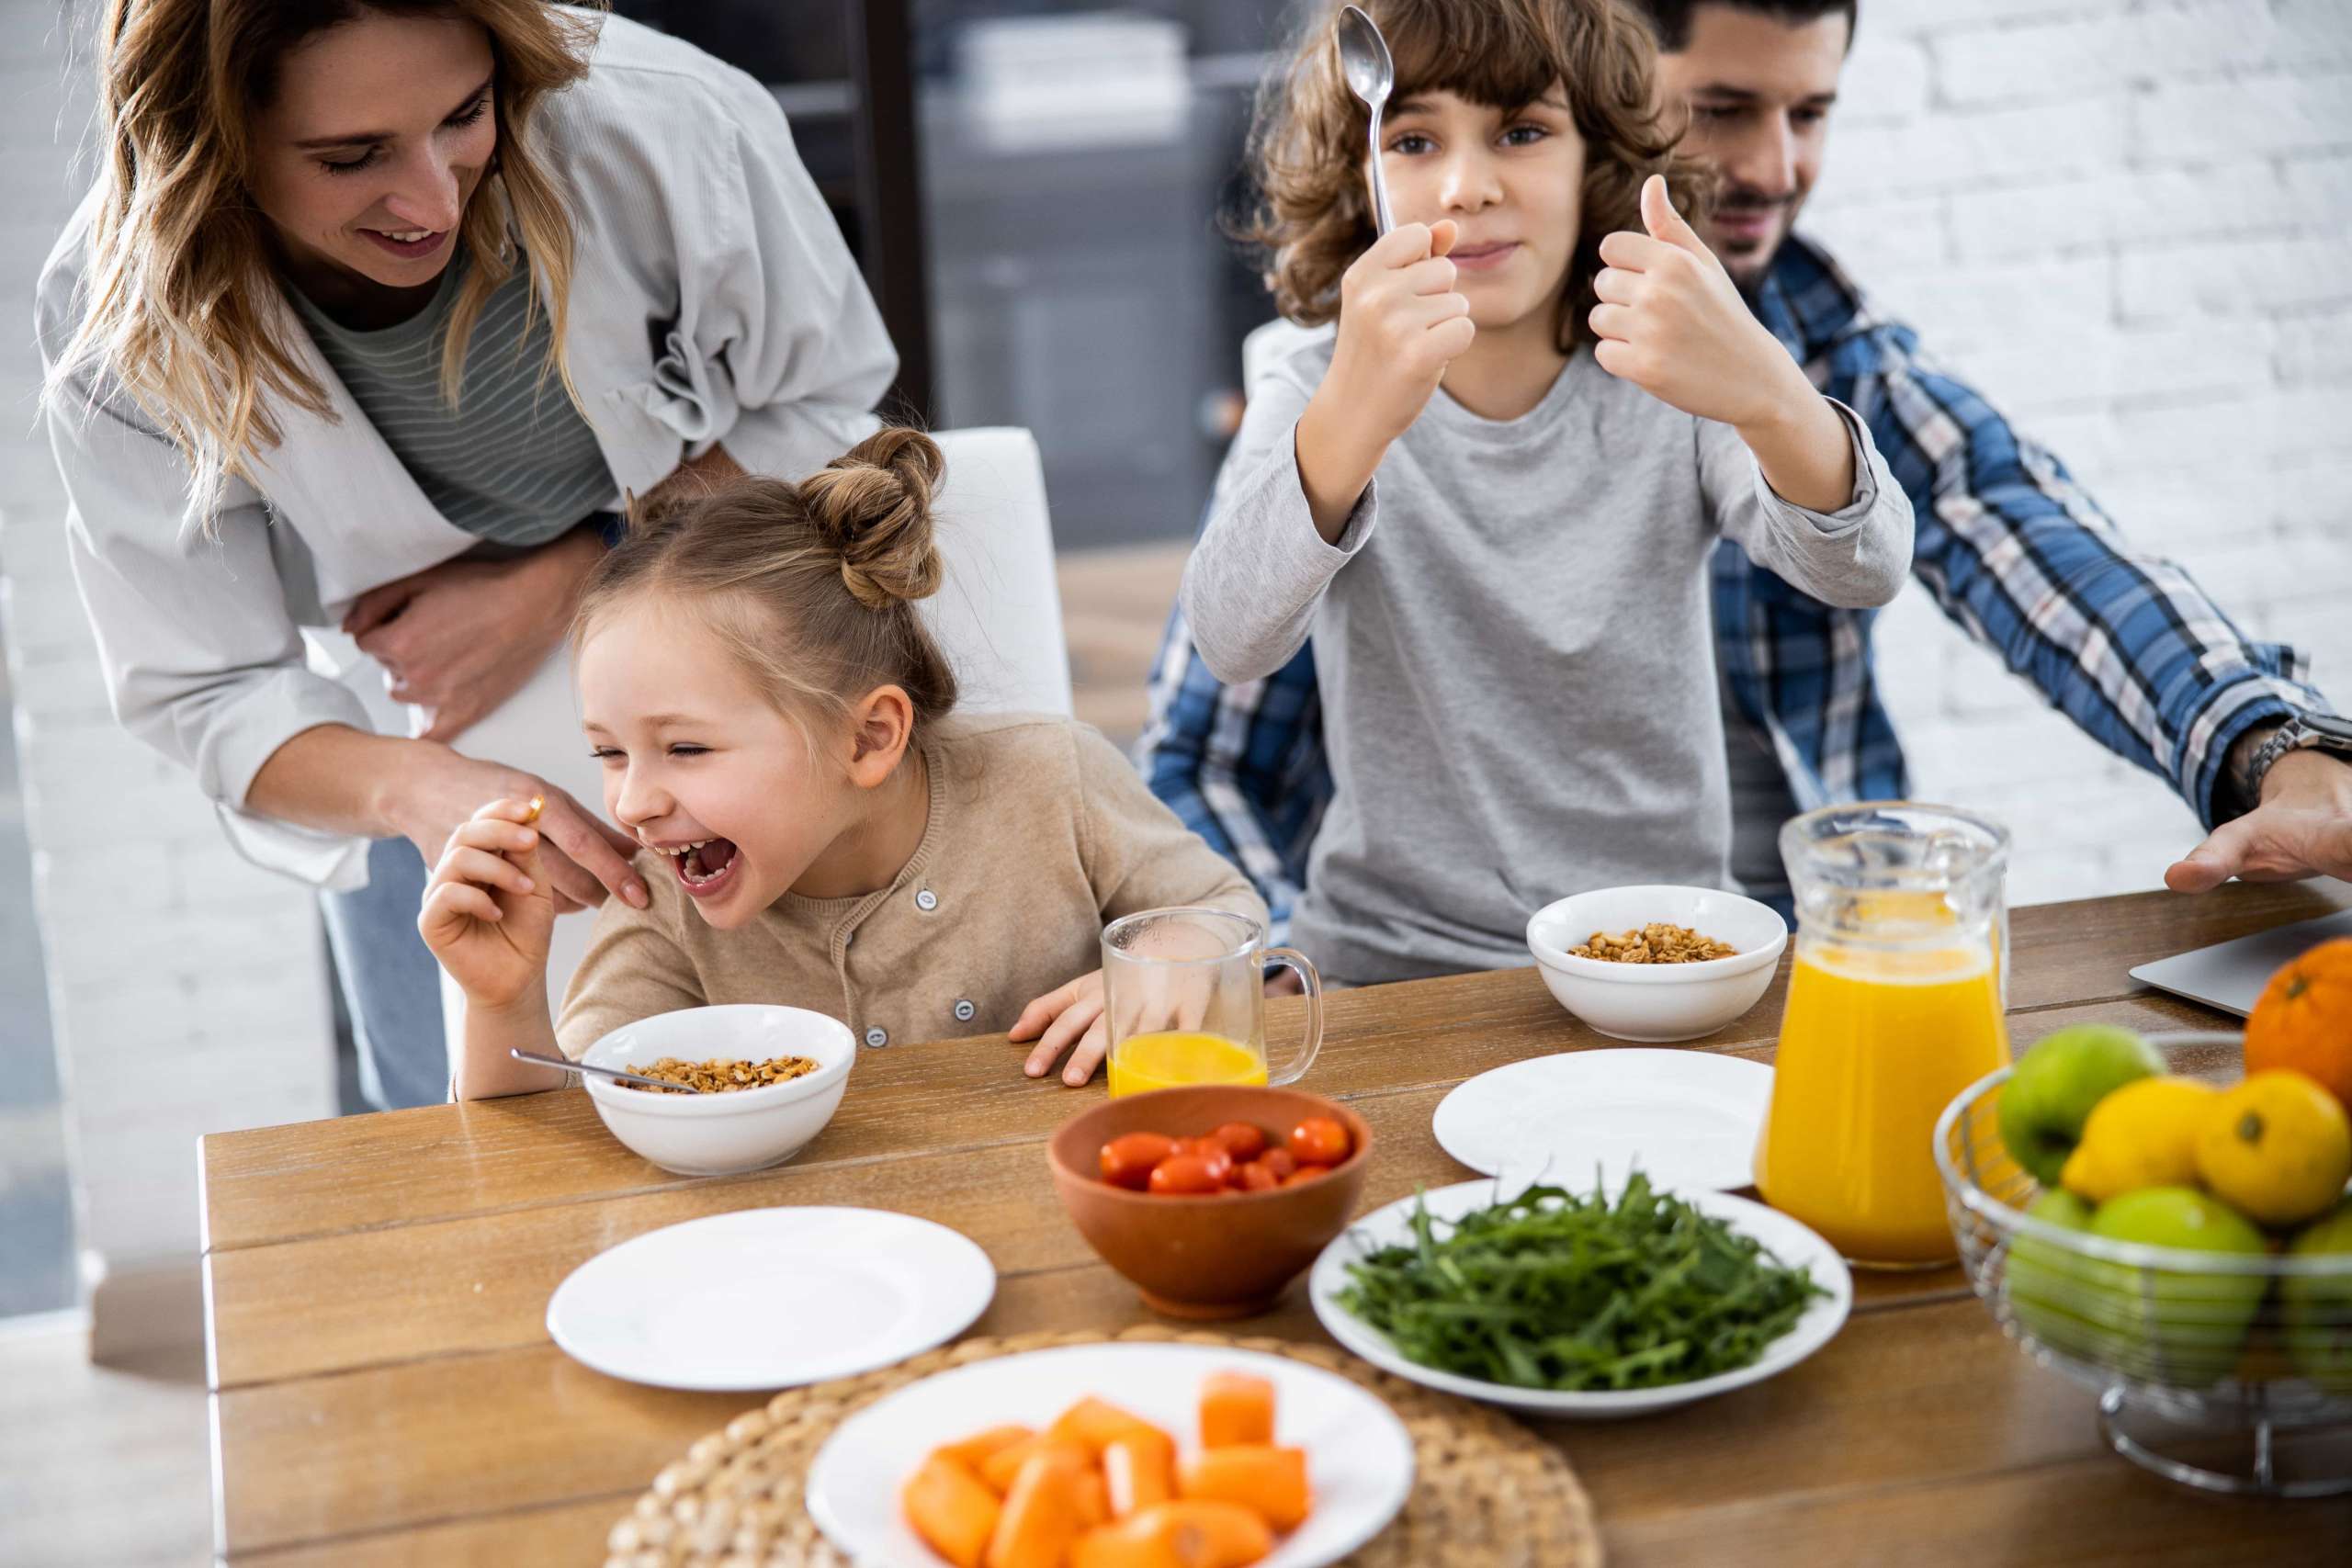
column 514, row 463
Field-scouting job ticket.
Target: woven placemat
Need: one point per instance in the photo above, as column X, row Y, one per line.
column 1487, row 1491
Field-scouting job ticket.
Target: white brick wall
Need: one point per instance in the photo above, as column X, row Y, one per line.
column 186, row 988
column 2128, row 224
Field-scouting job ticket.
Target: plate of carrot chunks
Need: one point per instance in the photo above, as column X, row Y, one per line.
column 1114, row 1456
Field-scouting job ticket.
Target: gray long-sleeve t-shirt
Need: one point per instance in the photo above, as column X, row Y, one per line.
column 1513, row 649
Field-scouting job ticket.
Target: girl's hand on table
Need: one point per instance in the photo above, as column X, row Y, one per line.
column 1401, row 321
column 459, row 638
column 1067, row 1014
column 489, row 907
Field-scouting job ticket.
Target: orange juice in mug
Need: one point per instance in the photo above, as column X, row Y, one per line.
column 1184, row 1000
column 1894, row 1006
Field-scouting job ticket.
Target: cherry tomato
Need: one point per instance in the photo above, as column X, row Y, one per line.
column 1208, row 1149
column 1257, row 1176
column 1304, row 1174
column 1241, row 1140
column 1126, row 1161
column 1277, row 1159
column 1186, row 1174
column 1319, row 1140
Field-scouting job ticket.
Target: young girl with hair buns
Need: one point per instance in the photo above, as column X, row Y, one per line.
column 818, row 826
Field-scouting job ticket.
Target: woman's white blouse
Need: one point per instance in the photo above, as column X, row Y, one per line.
column 712, row 301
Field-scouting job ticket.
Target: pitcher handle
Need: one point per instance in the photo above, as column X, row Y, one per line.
column 1303, row 967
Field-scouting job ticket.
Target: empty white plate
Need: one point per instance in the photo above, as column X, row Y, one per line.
column 1689, row 1118
column 1359, row 1456
column 1790, row 1243
column 770, row 1298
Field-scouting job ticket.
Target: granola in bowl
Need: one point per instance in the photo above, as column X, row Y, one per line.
column 719, row 1076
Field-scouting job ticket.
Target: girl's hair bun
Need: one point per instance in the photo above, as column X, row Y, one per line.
column 872, row 506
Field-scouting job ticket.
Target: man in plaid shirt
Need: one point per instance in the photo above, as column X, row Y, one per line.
column 2011, row 548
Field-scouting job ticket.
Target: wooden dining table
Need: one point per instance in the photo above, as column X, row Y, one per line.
column 384, row 1390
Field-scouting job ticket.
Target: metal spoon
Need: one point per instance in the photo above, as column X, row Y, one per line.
column 613, row 1073
column 1371, row 76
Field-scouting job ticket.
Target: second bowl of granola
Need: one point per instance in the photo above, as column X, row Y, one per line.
column 1656, row 964
column 737, row 1129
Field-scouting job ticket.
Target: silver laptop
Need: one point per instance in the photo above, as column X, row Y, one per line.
column 2230, row 974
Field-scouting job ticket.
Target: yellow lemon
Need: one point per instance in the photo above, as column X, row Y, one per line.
column 2277, row 1148
column 2143, row 1134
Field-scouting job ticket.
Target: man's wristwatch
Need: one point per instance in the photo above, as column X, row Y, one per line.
column 2301, row 732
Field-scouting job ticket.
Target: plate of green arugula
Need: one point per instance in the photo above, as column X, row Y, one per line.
column 1581, row 1305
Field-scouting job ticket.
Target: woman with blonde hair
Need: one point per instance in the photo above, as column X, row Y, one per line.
column 378, row 312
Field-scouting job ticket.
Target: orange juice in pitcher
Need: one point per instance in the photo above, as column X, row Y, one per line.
column 1894, row 1006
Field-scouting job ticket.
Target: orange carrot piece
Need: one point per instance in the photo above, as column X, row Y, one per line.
column 1091, row 1422
column 949, row 1509
column 1235, row 1408
column 1093, row 1499
column 1257, row 1475
column 1044, row 1513
column 1139, row 1468
column 975, row 1450
column 1177, row 1535
column 1143, row 1542
column 1236, row 1536
column 999, row 1468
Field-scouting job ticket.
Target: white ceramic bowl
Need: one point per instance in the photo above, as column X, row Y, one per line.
column 1657, row 1002
column 721, row 1135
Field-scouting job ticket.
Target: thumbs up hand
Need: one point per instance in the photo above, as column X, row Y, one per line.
column 1670, row 320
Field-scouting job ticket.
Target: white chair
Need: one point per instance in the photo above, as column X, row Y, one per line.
column 999, row 615
column 998, row 618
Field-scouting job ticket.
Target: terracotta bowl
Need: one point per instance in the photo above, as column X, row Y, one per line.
column 1224, row 1255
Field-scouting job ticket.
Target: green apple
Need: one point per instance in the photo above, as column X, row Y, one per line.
column 2184, row 1327
column 2052, row 1089
column 2316, row 1311
column 2046, row 1281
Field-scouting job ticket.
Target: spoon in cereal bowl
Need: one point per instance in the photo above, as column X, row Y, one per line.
column 613, row 1074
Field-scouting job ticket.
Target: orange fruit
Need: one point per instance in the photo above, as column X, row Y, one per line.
column 2303, row 1023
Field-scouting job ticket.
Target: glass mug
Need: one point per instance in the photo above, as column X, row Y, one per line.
column 1896, row 1005
column 1184, row 1000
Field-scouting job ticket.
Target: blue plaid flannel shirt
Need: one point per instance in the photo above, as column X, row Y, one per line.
column 2011, row 548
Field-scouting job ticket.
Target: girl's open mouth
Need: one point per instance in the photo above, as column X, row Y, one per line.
column 708, row 868
column 410, row 244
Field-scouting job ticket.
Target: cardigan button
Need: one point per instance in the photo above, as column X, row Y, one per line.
column 877, row 1037
column 964, row 1010
column 926, row 900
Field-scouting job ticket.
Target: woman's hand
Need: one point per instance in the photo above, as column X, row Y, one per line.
column 582, row 856
column 459, row 638
column 1401, row 321
column 1072, row 1013
column 489, row 910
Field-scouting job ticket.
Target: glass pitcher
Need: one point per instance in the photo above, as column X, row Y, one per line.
column 1184, row 1000
column 1894, row 1006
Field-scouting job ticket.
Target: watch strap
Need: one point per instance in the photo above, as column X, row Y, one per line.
column 2300, row 732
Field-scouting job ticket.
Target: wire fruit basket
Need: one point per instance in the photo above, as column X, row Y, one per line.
column 2227, row 1371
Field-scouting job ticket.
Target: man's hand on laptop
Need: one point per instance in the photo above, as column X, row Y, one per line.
column 2303, row 827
